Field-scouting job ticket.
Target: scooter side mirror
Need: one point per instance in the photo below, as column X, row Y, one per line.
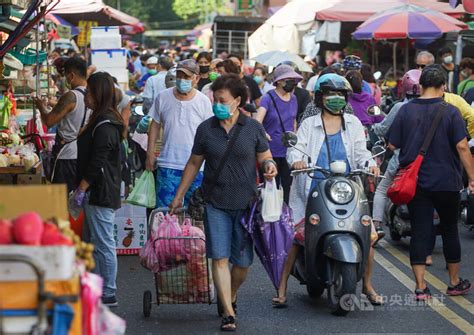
column 374, row 110
column 289, row 139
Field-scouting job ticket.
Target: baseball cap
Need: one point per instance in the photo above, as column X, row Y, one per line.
column 188, row 66
column 152, row 61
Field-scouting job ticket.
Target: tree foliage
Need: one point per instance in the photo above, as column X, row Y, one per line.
column 197, row 8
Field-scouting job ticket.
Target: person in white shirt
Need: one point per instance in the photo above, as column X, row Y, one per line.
column 177, row 112
column 155, row 84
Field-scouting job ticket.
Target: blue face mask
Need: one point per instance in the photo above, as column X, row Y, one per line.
column 221, row 111
column 184, row 85
column 258, row 79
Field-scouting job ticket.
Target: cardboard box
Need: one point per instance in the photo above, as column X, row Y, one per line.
column 47, row 200
column 130, row 229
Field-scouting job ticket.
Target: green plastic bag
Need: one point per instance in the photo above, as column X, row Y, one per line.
column 143, row 193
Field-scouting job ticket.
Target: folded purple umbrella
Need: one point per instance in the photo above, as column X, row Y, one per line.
column 272, row 240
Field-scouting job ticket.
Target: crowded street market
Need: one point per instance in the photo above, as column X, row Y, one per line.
column 257, row 167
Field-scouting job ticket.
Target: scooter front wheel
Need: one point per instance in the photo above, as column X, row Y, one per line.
column 341, row 292
column 314, row 291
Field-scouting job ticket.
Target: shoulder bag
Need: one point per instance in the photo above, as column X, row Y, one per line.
column 403, row 187
column 284, row 136
column 199, row 198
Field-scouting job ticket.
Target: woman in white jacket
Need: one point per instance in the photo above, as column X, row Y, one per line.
column 346, row 141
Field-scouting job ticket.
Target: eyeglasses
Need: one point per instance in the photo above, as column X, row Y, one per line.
column 420, row 66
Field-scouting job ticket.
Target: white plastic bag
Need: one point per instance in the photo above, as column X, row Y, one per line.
column 272, row 201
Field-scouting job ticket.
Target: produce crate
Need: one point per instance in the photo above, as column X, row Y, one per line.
column 57, row 261
column 28, row 56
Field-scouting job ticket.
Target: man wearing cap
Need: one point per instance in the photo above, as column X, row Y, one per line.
column 156, row 83
column 151, row 70
column 176, row 113
column 353, row 62
column 277, row 112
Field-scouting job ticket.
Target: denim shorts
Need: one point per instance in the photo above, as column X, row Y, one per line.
column 226, row 236
column 167, row 183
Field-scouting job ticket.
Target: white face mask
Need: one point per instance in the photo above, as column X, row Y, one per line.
column 448, row 59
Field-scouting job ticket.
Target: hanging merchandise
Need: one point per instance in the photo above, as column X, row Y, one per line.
column 84, row 37
column 5, row 109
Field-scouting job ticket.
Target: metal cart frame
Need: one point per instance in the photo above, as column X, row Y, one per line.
column 176, row 275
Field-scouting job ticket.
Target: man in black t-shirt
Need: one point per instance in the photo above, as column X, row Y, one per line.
column 255, row 93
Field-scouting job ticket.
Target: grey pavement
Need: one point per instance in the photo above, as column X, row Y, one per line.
column 304, row 315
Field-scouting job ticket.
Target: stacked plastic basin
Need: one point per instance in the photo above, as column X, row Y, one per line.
column 107, row 53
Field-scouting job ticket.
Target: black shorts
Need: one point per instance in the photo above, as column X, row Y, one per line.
column 65, row 173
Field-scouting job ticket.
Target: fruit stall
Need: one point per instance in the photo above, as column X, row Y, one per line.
column 45, row 283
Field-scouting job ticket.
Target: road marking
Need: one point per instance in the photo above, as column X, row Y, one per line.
column 435, row 304
column 430, row 278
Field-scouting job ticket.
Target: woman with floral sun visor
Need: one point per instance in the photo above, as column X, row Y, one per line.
column 346, row 141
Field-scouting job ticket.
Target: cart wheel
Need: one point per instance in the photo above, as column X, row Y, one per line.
column 147, row 303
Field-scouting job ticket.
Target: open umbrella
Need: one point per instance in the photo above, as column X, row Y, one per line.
column 276, row 57
column 407, row 22
column 272, row 240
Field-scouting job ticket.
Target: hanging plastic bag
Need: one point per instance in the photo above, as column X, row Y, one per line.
column 73, row 208
column 170, row 251
column 144, row 193
column 109, row 323
column 148, row 257
column 272, row 205
column 91, row 292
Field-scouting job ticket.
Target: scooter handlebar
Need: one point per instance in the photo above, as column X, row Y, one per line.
column 326, row 172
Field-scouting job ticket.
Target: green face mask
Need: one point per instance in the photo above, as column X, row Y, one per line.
column 335, row 103
column 213, row 76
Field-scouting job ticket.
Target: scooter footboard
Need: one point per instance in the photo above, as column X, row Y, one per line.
column 343, row 248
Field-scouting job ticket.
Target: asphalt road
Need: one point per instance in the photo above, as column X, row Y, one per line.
column 392, row 278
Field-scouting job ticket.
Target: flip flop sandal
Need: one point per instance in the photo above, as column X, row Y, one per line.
column 277, row 303
column 228, row 324
column 372, row 297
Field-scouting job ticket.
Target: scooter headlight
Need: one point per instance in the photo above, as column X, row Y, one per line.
column 341, row 192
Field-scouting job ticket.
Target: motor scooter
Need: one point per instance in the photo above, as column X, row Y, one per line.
column 337, row 234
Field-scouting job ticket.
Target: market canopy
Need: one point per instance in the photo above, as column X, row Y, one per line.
column 408, row 21
column 283, row 30
column 74, row 11
column 361, row 10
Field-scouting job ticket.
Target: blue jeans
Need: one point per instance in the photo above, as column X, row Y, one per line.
column 226, row 236
column 99, row 230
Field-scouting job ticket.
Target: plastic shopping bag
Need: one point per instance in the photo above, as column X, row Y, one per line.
column 91, row 292
column 144, row 193
column 73, row 208
column 109, row 323
column 169, row 250
column 148, row 257
column 272, row 205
